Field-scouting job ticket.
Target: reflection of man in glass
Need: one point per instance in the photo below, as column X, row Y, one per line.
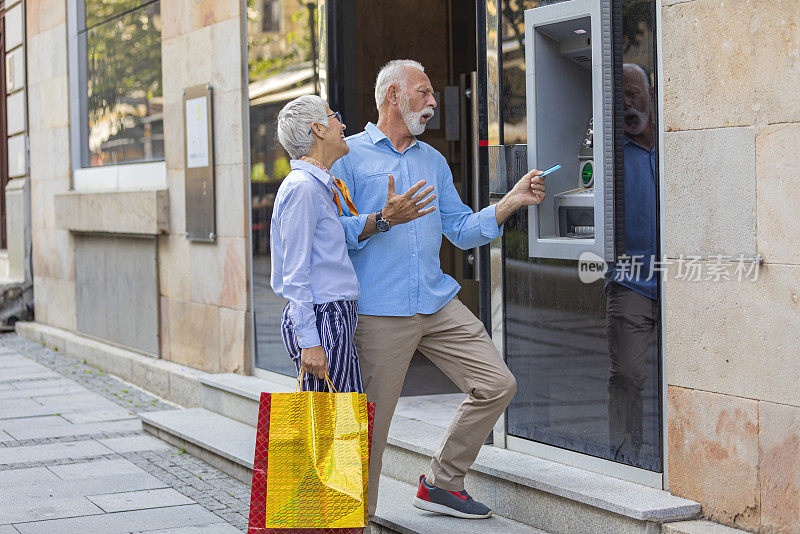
column 631, row 305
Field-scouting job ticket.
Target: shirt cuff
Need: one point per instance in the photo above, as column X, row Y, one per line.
column 353, row 226
column 488, row 221
column 305, row 324
column 307, row 337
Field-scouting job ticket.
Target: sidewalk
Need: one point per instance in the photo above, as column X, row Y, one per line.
column 74, row 458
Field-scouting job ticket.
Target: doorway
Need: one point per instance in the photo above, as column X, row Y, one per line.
column 297, row 48
column 441, row 35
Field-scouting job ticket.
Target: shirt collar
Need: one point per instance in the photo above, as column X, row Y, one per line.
column 375, row 134
column 313, row 170
column 629, row 141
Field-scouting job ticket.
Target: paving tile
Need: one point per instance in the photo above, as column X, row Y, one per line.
column 124, row 522
column 10, row 367
column 139, row 500
column 27, row 375
column 219, row 528
column 25, row 408
column 83, row 400
column 15, row 393
column 32, row 475
column 131, row 494
column 96, row 468
column 39, row 508
column 78, row 488
column 93, row 416
column 56, row 426
column 34, row 386
column 134, row 444
column 52, row 451
column 17, row 400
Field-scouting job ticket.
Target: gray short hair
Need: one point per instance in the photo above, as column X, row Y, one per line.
column 295, row 120
column 393, row 73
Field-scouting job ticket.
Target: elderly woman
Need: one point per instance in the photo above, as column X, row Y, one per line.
column 310, row 265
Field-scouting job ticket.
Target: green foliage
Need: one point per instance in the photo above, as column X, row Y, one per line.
column 637, row 22
column 297, row 43
column 124, row 67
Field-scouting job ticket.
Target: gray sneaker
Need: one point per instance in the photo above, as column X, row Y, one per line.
column 454, row 503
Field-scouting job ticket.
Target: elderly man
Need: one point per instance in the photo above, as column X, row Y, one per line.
column 407, row 302
column 631, row 293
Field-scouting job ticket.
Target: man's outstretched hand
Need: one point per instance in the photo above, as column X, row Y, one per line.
column 528, row 191
column 403, row 208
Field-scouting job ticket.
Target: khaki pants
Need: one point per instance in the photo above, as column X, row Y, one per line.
column 456, row 342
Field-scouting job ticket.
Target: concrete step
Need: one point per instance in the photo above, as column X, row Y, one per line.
column 568, row 499
column 554, row 497
column 396, row 514
column 699, row 527
column 230, row 446
column 237, row 396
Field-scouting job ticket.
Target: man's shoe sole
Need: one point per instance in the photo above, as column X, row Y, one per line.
column 442, row 509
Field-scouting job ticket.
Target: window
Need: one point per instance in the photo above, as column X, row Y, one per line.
column 271, row 18
column 121, row 87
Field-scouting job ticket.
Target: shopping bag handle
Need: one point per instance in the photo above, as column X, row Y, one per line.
column 327, row 380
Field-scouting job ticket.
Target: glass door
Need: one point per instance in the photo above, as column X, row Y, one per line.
column 283, row 60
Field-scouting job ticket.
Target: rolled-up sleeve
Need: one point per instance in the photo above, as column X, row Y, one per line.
column 464, row 228
column 298, row 222
column 353, row 224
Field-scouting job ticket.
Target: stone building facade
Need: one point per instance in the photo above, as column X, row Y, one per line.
column 732, row 154
column 729, row 189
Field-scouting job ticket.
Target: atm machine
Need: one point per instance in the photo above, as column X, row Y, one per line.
column 569, row 85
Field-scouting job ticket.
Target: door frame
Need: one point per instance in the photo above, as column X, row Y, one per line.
column 4, row 174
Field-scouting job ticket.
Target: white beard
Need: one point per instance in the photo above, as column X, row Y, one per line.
column 412, row 119
column 642, row 120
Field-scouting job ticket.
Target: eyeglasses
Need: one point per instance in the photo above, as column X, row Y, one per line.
column 336, row 114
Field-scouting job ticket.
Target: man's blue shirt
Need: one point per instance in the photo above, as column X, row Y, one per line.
column 641, row 231
column 399, row 270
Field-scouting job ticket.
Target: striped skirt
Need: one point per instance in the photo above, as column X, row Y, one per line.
column 336, row 324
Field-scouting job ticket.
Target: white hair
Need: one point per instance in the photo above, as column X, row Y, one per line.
column 393, row 73
column 639, row 71
column 295, row 120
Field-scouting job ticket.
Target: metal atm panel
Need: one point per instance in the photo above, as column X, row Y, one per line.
column 569, row 85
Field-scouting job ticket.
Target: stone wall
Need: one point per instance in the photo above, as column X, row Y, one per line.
column 48, row 113
column 204, row 287
column 732, row 188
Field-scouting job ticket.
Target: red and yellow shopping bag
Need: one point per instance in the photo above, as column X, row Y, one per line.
column 311, row 466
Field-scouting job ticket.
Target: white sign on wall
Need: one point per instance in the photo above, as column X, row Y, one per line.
column 197, row 132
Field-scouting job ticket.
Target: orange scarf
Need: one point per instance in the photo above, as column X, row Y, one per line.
column 340, row 185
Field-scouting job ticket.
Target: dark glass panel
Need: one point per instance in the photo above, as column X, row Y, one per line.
column 99, row 11
column 283, row 65
column 587, row 356
column 124, row 91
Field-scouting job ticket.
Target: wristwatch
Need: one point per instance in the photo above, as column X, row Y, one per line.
column 381, row 224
